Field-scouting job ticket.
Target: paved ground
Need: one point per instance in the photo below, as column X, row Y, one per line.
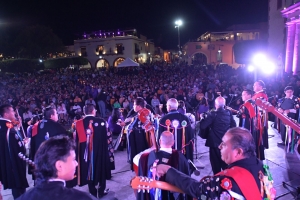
column 283, row 166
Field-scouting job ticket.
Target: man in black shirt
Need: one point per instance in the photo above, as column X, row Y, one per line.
column 218, row 122
column 287, row 106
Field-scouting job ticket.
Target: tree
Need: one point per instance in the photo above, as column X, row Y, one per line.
column 37, row 41
column 20, row 65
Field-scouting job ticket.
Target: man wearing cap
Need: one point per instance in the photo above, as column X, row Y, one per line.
column 287, row 106
column 180, row 126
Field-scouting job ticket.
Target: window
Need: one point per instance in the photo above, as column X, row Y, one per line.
column 100, row 49
column 198, row 47
column 83, row 51
column 119, row 48
column 219, row 56
column 136, row 49
column 279, row 4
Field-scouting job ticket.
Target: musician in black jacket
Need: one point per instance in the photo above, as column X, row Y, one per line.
column 218, row 122
column 287, row 106
column 12, row 168
column 238, row 151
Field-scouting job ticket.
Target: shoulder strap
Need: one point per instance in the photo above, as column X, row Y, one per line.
column 244, row 180
column 250, row 108
column 35, row 129
column 80, row 131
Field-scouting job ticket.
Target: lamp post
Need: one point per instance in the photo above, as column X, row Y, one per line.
column 178, row 24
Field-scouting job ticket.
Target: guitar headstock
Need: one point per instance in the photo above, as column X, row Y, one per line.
column 141, row 183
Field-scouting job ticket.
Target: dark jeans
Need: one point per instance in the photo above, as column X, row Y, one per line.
column 217, row 164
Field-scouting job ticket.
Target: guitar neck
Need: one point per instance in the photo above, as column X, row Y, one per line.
column 286, row 120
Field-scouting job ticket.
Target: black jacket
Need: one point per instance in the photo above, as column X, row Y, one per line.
column 218, row 122
column 203, row 188
column 53, row 191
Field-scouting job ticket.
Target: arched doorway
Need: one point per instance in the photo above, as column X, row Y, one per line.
column 199, row 59
column 102, row 63
column 118, row 61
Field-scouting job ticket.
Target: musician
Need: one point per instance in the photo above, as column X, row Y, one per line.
column 180, row 126
column 287, row 106
column 260, row 120
column 165, row 155
column 44, row 129
column 218, row 122
column 138, row 139
column 54, row 165
column 95, row 152
column 238, row 151
column 12, row 168
column 246, row 112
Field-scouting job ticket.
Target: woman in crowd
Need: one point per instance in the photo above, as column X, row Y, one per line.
column 113, row 120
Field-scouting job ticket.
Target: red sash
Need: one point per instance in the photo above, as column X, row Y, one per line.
column 35, row 129
column 250, row 108
column 245, row 180
column 80, row 131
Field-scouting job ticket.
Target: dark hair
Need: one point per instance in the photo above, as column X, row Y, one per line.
column 48, row 112
column 88, row 108
column 261, row 83
column 288, row 88
column 4, row 108
column 54, row 149
column 140, row 102
column 34, row 119
column 249, row 92
column 242, row 138
column 115, row 115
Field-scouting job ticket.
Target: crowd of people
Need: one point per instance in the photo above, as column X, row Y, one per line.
column 123, row 100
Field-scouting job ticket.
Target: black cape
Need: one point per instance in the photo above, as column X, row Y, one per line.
column 138, row 140
column 45, row 130
column 103, row 158
column 12, row 168
column 188, row 131
column 176, row 159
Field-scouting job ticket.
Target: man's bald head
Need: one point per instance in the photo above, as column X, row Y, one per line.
column 172, row 104
column 166, row 139
column 220, row 102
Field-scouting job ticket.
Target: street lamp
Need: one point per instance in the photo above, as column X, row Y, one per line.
column 178, row 24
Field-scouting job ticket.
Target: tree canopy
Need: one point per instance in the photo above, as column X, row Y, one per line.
column 37, row 41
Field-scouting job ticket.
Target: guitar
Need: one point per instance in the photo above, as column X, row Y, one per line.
column 286, row 120
column 145, row 184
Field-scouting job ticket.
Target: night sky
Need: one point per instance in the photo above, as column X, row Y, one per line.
column 153, row 18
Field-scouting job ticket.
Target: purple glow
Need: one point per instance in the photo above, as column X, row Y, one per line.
column 289, row 47
column 296, row 47
column 100, row 34
column 118, row 32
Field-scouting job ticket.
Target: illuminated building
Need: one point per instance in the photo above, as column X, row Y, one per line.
column 109, row 48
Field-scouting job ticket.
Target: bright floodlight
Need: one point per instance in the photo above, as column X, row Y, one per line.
column 259, row 59
column 250, row 68
column 40, row 60
column 268, row 68
column 178, row 22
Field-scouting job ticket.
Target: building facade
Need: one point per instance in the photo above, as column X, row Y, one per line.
column 218, row 47
column 105, row 49
column 283, row 33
